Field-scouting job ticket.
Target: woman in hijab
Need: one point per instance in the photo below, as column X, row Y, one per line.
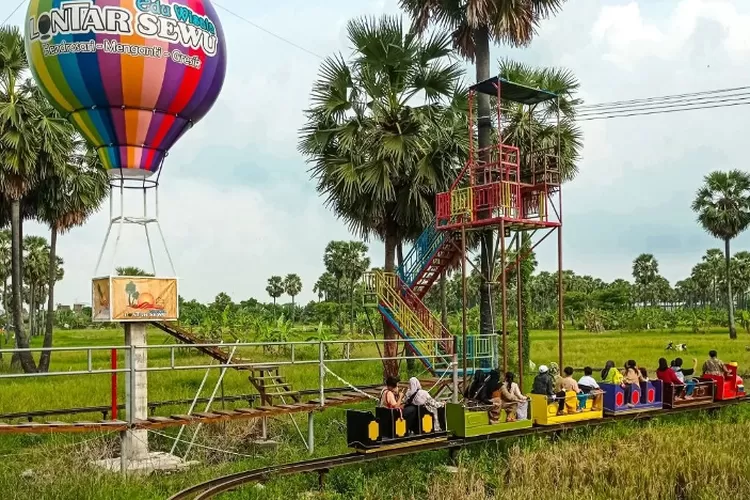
column 476, row 384
column 554, row 371
column 490, row 395
column 416, row 396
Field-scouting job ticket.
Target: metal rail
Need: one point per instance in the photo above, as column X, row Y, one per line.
column 152, row 406
column 213, row 487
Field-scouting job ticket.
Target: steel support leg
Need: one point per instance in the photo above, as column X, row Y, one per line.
column 310, row 433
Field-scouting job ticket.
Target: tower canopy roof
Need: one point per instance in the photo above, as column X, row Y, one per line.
column 511, row 91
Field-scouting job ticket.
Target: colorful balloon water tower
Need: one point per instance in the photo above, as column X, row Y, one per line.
column 132, row 76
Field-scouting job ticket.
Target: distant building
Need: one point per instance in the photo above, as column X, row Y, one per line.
column 78, row 307
column 63, row 307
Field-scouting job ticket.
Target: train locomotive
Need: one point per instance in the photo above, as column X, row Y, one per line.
column 386, row 428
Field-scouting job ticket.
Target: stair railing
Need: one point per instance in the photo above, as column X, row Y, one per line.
column 420, row 254
column 424, row 336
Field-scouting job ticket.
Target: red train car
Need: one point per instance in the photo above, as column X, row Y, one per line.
column 727, row 386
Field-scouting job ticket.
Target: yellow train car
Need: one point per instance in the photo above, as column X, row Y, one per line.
column 577, row 407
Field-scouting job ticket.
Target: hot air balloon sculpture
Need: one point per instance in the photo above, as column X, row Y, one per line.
column 133, row 76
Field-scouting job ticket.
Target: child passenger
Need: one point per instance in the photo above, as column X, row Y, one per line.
column 587, row 382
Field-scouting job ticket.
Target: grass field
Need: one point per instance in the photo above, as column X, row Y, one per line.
column 586, row 464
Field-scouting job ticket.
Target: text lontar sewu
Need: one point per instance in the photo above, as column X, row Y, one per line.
column 174, row 24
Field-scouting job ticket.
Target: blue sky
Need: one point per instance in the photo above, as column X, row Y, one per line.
column 237, row 204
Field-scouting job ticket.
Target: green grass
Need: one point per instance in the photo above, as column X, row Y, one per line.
column 57, row 465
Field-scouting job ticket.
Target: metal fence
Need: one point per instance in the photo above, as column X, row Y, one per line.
column 480, row 351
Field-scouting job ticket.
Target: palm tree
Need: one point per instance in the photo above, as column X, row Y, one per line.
column 741, row 276
column 5, row 250
column 474, row 24
column 378, row 153
column 19, row 148
column 292, row 286
column 275, row 288
column 723, row 207
column 131, row 271
column 66, row 199
column 35, row 264
column 325, row 287
column 713, row 264
column 645, row 273
column 536, row 129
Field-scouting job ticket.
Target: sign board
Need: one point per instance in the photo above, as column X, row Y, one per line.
column 134, row 298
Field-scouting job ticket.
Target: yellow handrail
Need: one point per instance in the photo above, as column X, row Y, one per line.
column 386, row 287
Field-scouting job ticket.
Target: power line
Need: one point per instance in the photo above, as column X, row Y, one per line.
column 664, row 98
column 264, row 30
column 676, row 106
column 605, row 116
column 667, row 103
column 13, row 12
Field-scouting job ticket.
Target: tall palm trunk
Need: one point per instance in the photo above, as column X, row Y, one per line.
column 339, row 307
column 352, row 316
column 482, row 61
column 390, row 366
column 32, row 308
column 730, row 302
column 22, row 341
column 443, row 301
column 49, row 323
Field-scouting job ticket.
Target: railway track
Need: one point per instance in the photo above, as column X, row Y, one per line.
column 218, row 485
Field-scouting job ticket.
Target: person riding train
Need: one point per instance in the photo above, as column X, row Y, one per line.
column 544, row 384
column 587, row 384
column 512, row 400
column 416, row 396
column 715, row 366
column 685, row 374
column 610, row 374
column 568, row 384
column 392, row 398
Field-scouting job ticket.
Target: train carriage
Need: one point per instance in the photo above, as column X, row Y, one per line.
column 702, row 393
column 469, row 421
column 546, row 410
column 646, row 396
column 387, row 428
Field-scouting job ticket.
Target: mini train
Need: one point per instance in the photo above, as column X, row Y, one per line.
column 386, row 428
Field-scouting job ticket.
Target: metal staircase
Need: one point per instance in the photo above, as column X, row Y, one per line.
column 413, row 321
column 221, row 355
column 399, row 299
column 431, row 254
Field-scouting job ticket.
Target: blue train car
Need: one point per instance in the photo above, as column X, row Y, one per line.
column 645, row 396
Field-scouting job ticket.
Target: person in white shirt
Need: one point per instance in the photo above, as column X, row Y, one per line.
column 587, row 382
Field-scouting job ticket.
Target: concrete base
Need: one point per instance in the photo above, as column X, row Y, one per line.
column 265, row 443
column 157, row 461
